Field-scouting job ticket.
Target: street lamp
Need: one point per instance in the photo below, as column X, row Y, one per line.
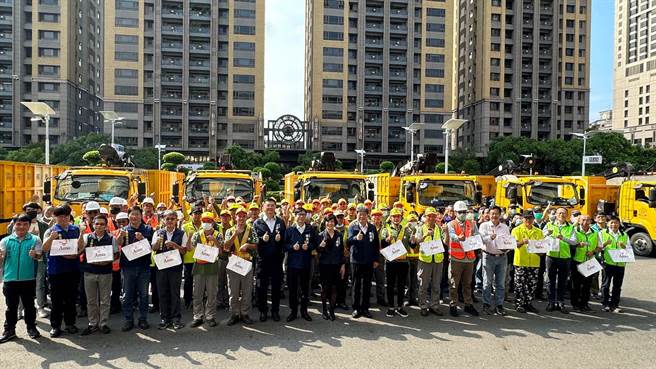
column 361, row 153
column 412, row 129
column 42, row 113
column 159, row 155
column 583, row 136
column 113, row 118
column 448, row 127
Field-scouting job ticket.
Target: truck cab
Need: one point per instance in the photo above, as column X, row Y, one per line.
column 335, row 185
column 419, row 191
column 636, row 206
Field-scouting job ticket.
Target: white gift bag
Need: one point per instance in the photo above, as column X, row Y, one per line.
column 394, row 251
column 472, row 243
column 239, row 265
column 589, row 267
column 430, row 248
column 64, row 247
column 206, row 253
column 167, row 259
column 137, row 249
column 99, row 254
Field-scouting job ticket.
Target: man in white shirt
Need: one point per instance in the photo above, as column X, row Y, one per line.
column 494, row 262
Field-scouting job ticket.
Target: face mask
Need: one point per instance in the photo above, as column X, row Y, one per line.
column 208, row 226
column 512, row 212
column 462, row 217
column 32, row 214
column 115, row 210
column 518, row 222
column 538, row 216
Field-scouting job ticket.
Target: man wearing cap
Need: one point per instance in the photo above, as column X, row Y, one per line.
column 170, row 238
column 149, row 215
column 429, row 268
column 190, row 228
column 205, row 273
column 558, row 261
column 63, row 273
column 526, row 264
column 117, row 282
column 115, row 207
column 270, row 230
column 588, row 242
column 351, row 214
column 412, row 291
column 136, row 272
column 369, row 204
column 342, row 204
column 253, row 212
column 223, row 297
column 241, row 241
column 365, row 249
column 300, row 240
column 462, row 263
column 36, row 228
column 396, row 271
column 379, row 272
column 494, row 263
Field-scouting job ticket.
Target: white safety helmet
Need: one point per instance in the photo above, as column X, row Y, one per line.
column 117, row 201
column 121, row 216
column 104, row 211
column 148, row 200
column 460, row 206
column 91, row 206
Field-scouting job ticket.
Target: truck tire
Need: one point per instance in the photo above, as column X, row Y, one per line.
column 642, row 244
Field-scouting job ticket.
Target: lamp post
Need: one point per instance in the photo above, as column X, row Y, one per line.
column 113, row 118
column 412, row 129
column 361, row 153
column 42, row 113
column 159, row 155
column 583, row 136
column 448, row 127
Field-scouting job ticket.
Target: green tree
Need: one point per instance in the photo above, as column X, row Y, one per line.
column 464, row 161
column 34, row 153
column 305, row 160
column 173, row 157
column 387, row 166
column 242, row 159
column 92, row 157
column 208, row 166
column 71, row 152
column 145, row 158
column 169, row 166
column 3, row 153
column 275, row 169
column 439, row 168
column 339, row 165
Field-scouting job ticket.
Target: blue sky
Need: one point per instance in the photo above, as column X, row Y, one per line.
column 284, row 57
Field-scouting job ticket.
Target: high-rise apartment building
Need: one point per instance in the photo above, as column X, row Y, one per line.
column 523, row 69
column 374, row 67
column 634, row 70
column 186, row 74
column 50, row 51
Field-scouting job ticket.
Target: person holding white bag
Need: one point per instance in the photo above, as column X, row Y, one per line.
column 588, row 241
column 462, row 263
column 613, row 239
column 169, row 238
column 495, row 263
column 205, row 273
column 429, row 267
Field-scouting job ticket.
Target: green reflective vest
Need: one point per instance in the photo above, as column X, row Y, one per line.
column 565, row 231
column 592, row 240
column 614, row 239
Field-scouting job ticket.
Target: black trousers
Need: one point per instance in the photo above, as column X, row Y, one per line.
column 444, row 282
column 342, row 285
column 188, row 284
column 612, row 275
column 82, row 294
column 63, row 292
column 117, row 288
column 580, row 294
column 557, row 270
column 330, row 280
column 15, row 292
column 168, row 288
column 154, row 298
column 396, row 274
column 541, row 270
column 362, row 274
column 269, row 272
column 298, row 279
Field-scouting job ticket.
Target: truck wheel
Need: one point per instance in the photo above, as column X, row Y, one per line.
column 642, row 244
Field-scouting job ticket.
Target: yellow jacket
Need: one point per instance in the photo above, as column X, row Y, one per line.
column 522, row 256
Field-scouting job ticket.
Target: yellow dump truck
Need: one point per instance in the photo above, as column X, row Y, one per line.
column 571, row 192
column 218, row 184
column 19, row 183
column 332, row 184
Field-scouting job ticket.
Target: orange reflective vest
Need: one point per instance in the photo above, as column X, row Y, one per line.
column 455, row 248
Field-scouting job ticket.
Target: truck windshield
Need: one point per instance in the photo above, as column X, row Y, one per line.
column 557, row 193
column 219, row 188
column 334, row 188
column 92, row 188
column 445, row 192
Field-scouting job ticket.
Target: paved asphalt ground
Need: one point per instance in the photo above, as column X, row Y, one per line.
column 548, row 340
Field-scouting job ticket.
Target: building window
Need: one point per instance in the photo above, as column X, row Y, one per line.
column 126, row 90
column 433, row 12
column 243, row 112
column 243, row 95
column 126, row 22
column 435, row 42
column 49, row 17
column 126, row 56
column 245, row 46
column 332, row 67
column 438, row 73
column 125, row 73
column 48, row 52
column 333, row 83
column 333, row 4
column 434, row 88
column 49, row 35
column 244, row 13
column 434, row 58
column 331, row 114
column 434, row 103
column 243, row 62
column 244, row 30
column 243, row 78
column 126, row 40
column 127, row 5
column 48, row 87
column 333, row 19
column 333, row 36
column 333, row 51
column 48, row 70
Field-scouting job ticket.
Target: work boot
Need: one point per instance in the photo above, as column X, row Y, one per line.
column 470, row 309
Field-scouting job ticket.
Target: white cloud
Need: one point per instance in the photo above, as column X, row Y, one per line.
column 284, row 58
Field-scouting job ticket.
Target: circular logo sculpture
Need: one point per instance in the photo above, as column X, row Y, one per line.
column 288, row 130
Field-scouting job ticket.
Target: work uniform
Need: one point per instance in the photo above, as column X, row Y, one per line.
column 526, row 265
column 580, row 293
column 205, row 279
column 429, row 268
column 136, row 276
column 396, row 271
column 363, row 255
column 64, row 277
column 188, row 262
column 270, row 255
column 169, row 279
column 613, row 271
column 298, row 264
column 331, row 259
column 558, row 262
column 462, row 263
column 240, row 287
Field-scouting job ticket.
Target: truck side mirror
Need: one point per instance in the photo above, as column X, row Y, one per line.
column 141, row 189
column 370, row 185
column 175, row 191
column 371, row 196
column 409, row 193
column 47, row 190
column 511, row 193
column 652, row 198
column 581, row 196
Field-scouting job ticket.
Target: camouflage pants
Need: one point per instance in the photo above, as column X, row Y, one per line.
column 526, row 282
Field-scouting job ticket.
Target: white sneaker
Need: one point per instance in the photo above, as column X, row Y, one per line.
column 42, row 313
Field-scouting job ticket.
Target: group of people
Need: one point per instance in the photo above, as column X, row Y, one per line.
column 300, row 245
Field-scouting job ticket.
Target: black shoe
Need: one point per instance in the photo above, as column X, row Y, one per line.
column 521, row 309
column 470, row 309
column 246, row 319
column 114, row 310
column 153, row 309
column 367, row 314
column 436, row 311
column 164, row 325
column 563, row 309
column 263, row 316
column 196, row 323
column 105, row 329
column 486, row 309
column 71, row 329
column 211, row 323
column 500, row 311
column 143, row 325
column 291, row 317
column 55, row 332
column 402, row 313
column 325, row 315
column 532, row 309
column 306, row 316
column 275, row 316
column 356, row 314
column 33, row 332
column 88, row 330
column 390, row 313
column 453, row 310
column 551, row 307
column 8, row 336
column 177, row 325
column 587, row 309
column 234, row 319
column 332, row 315
column 412, row 302
column 424, row 312
column 82, row 314
column 128, row 326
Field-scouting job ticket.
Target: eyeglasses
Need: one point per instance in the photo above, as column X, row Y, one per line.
column 99, row 224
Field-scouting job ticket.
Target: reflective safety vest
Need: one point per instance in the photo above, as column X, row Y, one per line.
column 427, row 235
column 607, row 236
column 239, row 243
column 455, row 248
column 190, row 229
column 592, row 240
column 203, row 240
column 565, row 231
column 397, row 236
